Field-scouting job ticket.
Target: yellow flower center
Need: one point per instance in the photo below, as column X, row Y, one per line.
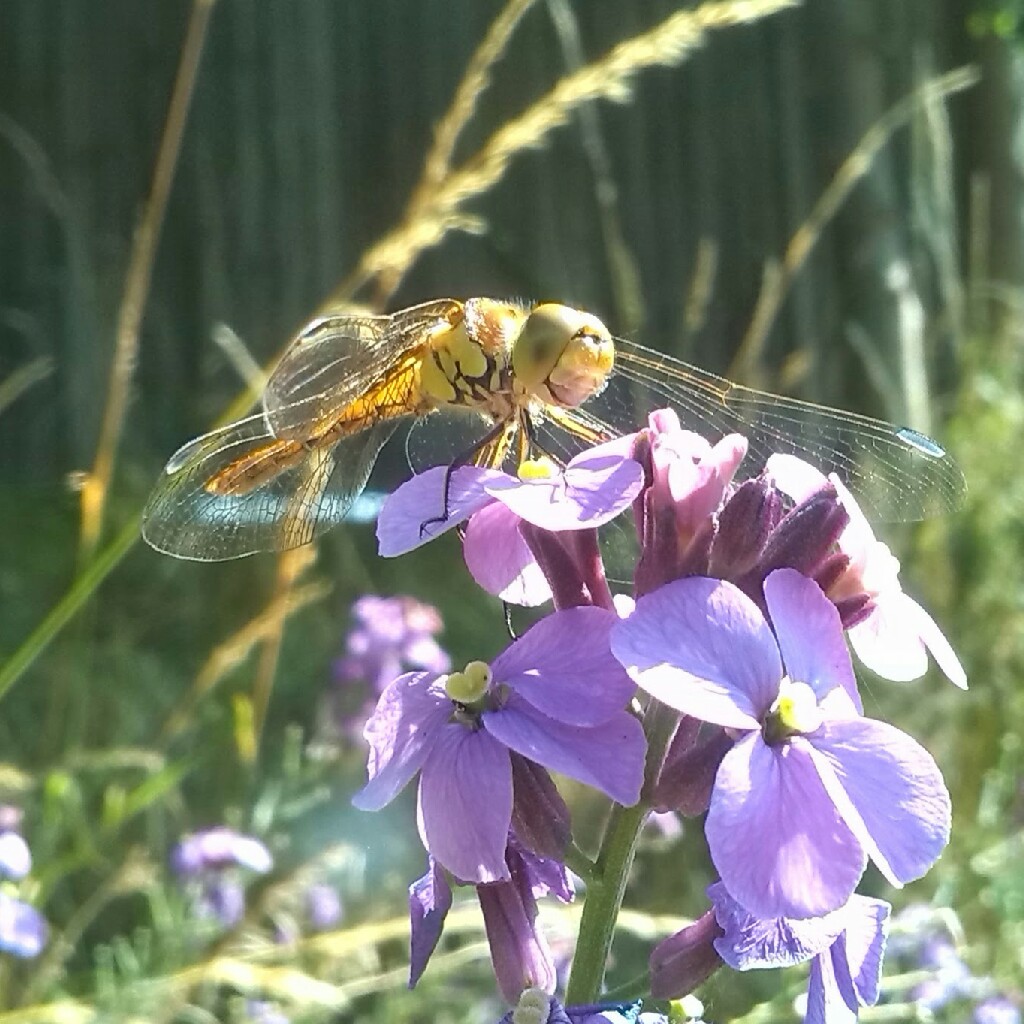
column 794, row 712
column 471, row 685
column 537, row 469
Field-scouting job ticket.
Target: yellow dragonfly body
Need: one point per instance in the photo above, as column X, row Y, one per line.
column 500, row 382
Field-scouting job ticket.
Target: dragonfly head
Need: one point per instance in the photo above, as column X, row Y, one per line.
column 562, row 356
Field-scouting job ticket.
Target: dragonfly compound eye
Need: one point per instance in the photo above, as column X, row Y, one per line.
column 562, row 355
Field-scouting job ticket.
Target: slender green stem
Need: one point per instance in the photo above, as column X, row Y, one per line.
column 611, row 873
column 80, row 591
column 580, row 863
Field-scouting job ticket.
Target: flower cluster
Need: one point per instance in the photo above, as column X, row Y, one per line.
column 23, row 930
column 723, row 684
column 389, row 635
column 213, row 863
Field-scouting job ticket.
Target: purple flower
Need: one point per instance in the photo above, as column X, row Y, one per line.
column 323, row 906
column 15, row 857
column 555, row 696
column 391, row 635
column 592, row 490
column 810, row 789
column 519, row 952
column 997, row 1010
column 895, row 634
column 23, row 930
column 845, row 948
column 259, row 1011
column 217, row 848
column 222, row 898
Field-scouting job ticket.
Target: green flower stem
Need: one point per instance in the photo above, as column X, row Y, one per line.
column 611, row 869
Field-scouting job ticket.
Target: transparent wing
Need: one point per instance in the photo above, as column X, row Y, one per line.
column 447, row 436
column 303, row 493
column 337, row 358
column 895, row 472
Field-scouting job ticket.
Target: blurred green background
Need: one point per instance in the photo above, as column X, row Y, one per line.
column 808, row 197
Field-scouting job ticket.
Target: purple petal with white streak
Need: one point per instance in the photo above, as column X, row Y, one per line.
column 591, row 492
column 889, row 791
column 409, row 714
column 774, row 835
column 609, row 756
column 465, row 803
column 563, row 666
column 702, row 647
column 417, row 511
column 810, row 634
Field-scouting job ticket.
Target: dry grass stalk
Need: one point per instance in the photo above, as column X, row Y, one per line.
column 264, row 628
column 668, row 43
column 778, row 280
column 137, row 281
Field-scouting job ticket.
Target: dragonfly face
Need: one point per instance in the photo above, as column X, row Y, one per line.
column 510, row 381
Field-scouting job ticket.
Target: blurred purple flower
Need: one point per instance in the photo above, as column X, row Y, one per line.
column 391, row 635
column 259, row 1011
column 810, row 789
column 211, row 859
column 23, row 930
column 845, row 948
column 222, row 898
column 950, row 978
column 323, row 906
column 217, row 848
column 997, row 1010
column 15, row 857
column 556, row 696
column 895, row 635
column 595, row 487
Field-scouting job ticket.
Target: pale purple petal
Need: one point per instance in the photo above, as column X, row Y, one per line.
column 795, row 477
column 826, row 1001
column 609, row 756
column 810, row 634
column 23, row 930
column 774, row 835
column 409, row 714
column 416, row 512
column 889, row 791
column 430, row 899
column 590, row 493
column 867, row 924
column 500, row 560
column 15, row 857
column 465, row 803
column 563, row 666
column 895, row 638
column 752, row 942
column 888, row 642
column 702, row 647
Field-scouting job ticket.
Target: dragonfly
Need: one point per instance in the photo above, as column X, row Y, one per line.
column 494, row 383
